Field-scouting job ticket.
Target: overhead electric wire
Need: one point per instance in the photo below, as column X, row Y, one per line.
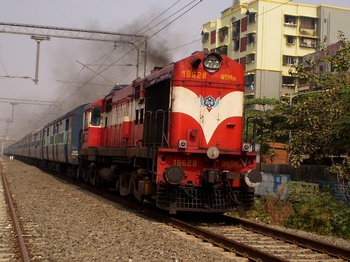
column 98, row 73
column 108, row 54
column 140, row 30
column 165, row 19
column 135, row 47
column 168, row 50
column 165, row 26
column 4, row 67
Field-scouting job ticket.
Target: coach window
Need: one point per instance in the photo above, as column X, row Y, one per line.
column 96, row 116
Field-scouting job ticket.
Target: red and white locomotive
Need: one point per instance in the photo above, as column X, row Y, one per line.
column 174, row 138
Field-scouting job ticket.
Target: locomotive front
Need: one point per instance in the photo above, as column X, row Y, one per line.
column 201, row 163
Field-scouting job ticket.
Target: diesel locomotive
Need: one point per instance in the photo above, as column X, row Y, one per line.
column 172, row 138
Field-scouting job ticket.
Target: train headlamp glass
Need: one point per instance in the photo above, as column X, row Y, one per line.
column 212, row 62
column 174, row 175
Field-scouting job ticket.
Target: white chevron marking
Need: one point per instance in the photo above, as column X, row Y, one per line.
column 187, row 102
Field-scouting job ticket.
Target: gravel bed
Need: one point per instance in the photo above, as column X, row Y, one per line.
column 66, row 224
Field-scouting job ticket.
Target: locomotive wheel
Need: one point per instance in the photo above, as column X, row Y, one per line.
column 123, row 185
column 93, row 177
column 117, row 184
column 133, row 187
column 85, row 177
column 92, row 174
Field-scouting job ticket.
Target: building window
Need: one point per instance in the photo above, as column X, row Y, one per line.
column 251, row 40
column 213, row 37
column 288, row 82
column 236, row 45
column 244, row 24
column 290, row 40
column 308, row 23
column 290, row 20
column 250, row 58
column 291, row 60
column 243, row 44
column 252, row 17
column 205, row 37
column 249, row 96
column 221, row 50
column 249, row 81
column 236, row 29
column 223, row 32
column 242, row 61
column 236, row 26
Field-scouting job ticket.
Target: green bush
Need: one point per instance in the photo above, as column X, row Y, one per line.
column 269, row 209
column 317, row 212
column 341, row 221
column 306, row 209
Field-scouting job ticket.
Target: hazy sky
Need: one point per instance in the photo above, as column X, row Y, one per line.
column 62, row 76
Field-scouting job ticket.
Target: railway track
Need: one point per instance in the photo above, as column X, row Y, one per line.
column 247, row 240
column 12, row 245
column 281, row 245
column 239, row 239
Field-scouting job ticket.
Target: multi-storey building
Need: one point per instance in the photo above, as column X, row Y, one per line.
column 268, row 36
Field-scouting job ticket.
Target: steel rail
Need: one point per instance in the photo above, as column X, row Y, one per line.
column 316, row 245
column 17, row 228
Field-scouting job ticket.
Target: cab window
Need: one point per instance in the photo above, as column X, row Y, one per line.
column 96, row 116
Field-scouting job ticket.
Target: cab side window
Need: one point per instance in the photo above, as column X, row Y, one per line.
column 96, row 116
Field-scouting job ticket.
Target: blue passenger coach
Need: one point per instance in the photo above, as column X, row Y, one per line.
column 56, row 145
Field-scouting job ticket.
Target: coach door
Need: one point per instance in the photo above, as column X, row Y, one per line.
column 66, row 141
column 55, row 143
column 47, row 143
column 43, row 145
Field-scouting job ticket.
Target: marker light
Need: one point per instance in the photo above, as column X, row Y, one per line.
column 182, row 144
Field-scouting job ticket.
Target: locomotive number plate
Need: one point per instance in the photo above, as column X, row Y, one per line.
column 192, row 74
column 230, row 164
column 185, row 162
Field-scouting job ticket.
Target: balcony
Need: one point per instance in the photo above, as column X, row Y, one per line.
column 307, row 32
column 308, row 42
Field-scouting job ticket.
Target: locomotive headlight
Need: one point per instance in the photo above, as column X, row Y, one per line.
column 174, row 175
column 212, row 62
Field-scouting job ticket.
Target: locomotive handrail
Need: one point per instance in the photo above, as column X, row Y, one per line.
column 147, row 139
column 256, row 120
column 161, row 111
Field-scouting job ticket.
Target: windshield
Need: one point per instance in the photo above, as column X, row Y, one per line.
column 96, row 116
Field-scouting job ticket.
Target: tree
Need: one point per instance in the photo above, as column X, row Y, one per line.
column 319, row 121
column 273, row 121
